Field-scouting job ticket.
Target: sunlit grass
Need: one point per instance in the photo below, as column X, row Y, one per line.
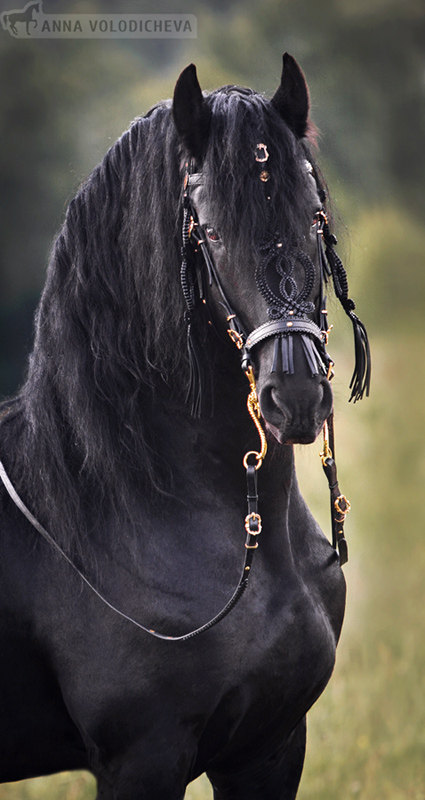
column 65, row 786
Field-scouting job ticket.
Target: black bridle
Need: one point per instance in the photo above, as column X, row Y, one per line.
column 288, row 318
column 289, row 315
column 289, row 312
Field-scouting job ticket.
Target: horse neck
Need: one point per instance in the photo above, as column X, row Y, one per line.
column 208, row 452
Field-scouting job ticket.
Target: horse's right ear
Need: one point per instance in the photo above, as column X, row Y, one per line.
column 190, row 112
column 291, row 100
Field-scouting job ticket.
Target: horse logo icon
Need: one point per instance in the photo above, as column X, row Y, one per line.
column 31, row 22
column 21, row 17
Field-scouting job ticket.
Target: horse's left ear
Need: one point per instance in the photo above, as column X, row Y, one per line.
column 292, row 99
column 190, row 112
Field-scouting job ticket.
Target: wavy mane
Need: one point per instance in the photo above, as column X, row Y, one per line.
column 110, row 340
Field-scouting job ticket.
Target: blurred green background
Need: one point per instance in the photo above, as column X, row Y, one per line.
column 64, row 102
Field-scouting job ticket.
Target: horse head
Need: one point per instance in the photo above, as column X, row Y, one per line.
column 255, row 218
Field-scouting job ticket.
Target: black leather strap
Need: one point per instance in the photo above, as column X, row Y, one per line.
column 280, row 326
column 339, row 503
column 237, row 594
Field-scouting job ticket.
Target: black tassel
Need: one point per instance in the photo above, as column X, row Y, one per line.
column 194, row 391
column 291, row 368
column 287, row 352
column 360, row 381
column 276, row 354
column 311, row 355
column 192, row 293
column 284, row 346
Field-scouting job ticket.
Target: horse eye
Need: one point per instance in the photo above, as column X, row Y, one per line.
column 212, row 234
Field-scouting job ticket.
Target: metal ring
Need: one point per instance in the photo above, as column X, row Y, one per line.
column 265, row 155
column 257, row 455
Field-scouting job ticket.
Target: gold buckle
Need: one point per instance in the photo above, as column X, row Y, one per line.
column 342, row 499
column 255, row 518
column 325, row 335
column 236, row 338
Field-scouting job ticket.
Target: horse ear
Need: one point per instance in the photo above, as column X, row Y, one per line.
column 191, row 115
column 291, row 99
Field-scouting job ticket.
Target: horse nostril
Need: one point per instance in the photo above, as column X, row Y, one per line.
column 272, row 408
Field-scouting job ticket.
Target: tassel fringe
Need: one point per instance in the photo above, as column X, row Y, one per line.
column 360, row 381
column 283, row 355
column 196, row 374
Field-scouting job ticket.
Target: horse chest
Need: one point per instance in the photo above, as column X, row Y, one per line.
column 287, row 652
column 259, row 674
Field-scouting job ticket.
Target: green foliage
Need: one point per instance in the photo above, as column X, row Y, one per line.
column 387, row 266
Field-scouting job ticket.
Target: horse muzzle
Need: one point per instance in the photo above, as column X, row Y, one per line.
column 295, row 408
column 293, row 389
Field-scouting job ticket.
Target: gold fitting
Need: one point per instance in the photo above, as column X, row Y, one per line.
column 324, row 456
column 236, row 338
column 325, row 335
column 330, row 371
column 191, row 226
column 251, row 546
column 253, row 517
column 321, row 217
column 343, row 511
column 264, row 176
column 253, row 404
column 326, row 452
column 250, row 375
column 261, row 148
column 255, row 413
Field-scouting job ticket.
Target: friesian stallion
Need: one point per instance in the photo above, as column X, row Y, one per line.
column 136, row 500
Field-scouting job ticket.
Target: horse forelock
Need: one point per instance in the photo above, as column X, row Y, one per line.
column 241, row 119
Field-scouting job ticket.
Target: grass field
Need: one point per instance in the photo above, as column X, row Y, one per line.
column 366, row 734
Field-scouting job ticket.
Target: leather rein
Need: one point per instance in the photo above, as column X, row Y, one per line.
column 314, row 339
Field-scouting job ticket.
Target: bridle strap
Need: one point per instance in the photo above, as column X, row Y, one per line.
column 313, row 339
column 283, row 326
column 340, row 506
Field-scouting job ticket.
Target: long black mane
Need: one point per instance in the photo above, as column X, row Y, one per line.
column 110, row 340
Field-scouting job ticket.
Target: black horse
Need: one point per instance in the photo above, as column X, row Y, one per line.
column 126, row 444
